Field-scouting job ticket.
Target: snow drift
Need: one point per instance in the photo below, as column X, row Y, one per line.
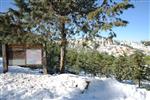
column 26, row 84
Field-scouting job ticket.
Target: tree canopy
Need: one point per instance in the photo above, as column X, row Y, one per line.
column 61, row 19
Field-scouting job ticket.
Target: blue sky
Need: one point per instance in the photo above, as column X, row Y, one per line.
column 139, row 20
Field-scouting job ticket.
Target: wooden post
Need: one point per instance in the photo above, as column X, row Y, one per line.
column 4, row 54
column 45, row 69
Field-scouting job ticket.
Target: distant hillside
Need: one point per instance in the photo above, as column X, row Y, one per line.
column 146, row 43
column 110, row 46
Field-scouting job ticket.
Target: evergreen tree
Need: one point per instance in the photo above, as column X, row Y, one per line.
column 62, row 19
column 138, row 66
column 38, row 17
column 121, row 68
column 15, row 26
column 86, row 15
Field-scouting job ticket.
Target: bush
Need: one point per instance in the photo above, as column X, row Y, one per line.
column 124, row 67
column 72, row 64
column 89, row 61
column 146, row 43
column 53, row 53
column 147, row 60
column 138, row 65
column 0, row 50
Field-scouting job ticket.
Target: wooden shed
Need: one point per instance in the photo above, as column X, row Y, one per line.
column 23, row 55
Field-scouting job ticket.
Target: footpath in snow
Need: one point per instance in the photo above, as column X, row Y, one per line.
column 26, row 84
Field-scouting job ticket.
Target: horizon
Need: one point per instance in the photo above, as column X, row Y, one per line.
column 138, row 28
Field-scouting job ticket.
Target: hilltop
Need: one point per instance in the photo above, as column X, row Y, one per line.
column 114, row 47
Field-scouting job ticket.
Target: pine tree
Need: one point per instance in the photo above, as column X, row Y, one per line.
column 62, row 19
column 58, row 13
column 86, row 15
column 14, row 27
column 138, row 65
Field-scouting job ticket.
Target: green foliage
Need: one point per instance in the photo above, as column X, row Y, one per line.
column 107, row 63
column 53, row 53
column 89, row 61
column 0, row 50
column 123, row 67
column 147, row 60
column 146, row 43
column 49, row 18
column 138, row 64
column 107, row 14
column 41, row 15
column 147, row 67
column 72, row 61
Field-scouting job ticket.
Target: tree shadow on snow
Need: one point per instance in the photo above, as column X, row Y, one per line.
column 99, row 90
column 18, row 69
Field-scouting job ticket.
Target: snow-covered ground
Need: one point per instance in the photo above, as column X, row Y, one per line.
column 26, row 84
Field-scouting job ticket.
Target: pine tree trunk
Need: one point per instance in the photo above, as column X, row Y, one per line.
column 45, row 67
column 4, row 54
column 63, row 49
column 139, row 82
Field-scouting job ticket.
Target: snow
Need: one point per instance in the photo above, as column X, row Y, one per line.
column 110, row 89
column 28, row 84
column 138, row 45
column 116, row 48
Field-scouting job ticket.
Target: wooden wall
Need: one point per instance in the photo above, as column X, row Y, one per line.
column 24, row 55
